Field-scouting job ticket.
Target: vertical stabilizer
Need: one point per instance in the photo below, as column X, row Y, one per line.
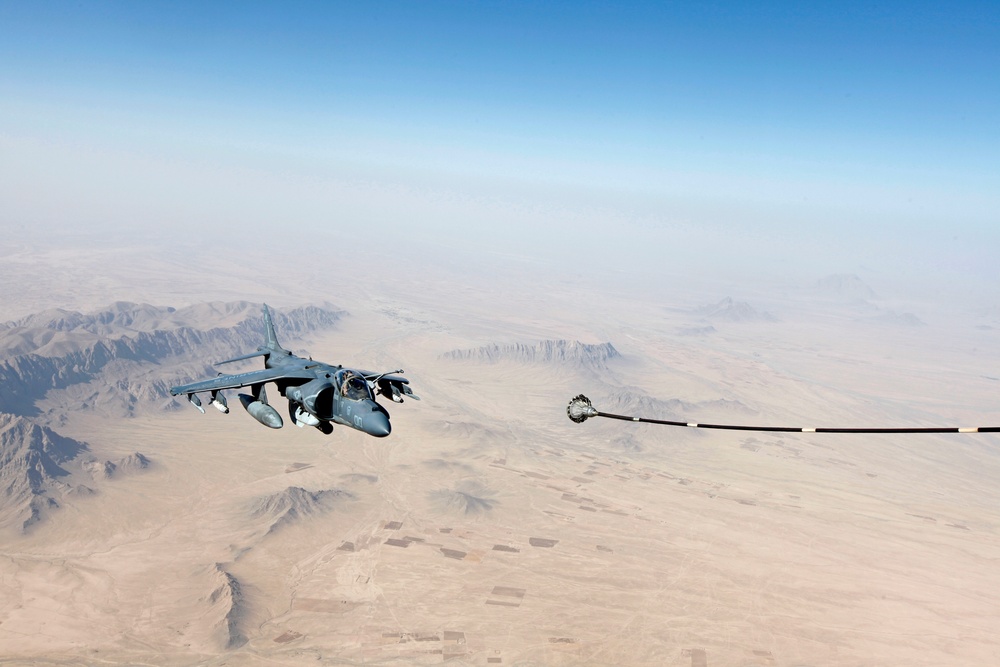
column 271, row 342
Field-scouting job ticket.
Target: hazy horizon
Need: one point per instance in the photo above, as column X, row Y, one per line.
column 773, row 144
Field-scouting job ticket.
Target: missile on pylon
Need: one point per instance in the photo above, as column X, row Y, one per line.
column 219, row 401
column 196, row 402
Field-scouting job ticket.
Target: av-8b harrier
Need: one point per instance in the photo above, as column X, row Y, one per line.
column 318, row 394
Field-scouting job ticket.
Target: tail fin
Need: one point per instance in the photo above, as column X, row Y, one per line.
column 271, row 341
column 269, row 347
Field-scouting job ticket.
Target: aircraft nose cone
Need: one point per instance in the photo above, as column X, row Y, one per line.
column 377, row 424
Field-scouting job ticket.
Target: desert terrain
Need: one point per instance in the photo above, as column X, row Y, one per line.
column 488, row 528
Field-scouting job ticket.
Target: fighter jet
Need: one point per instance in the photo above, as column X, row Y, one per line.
column 319, row 395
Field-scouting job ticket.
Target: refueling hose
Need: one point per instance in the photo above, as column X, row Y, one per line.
column 580, row 409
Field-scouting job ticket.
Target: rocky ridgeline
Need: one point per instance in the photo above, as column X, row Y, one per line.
column 136, row 317
column 227, row 603
column 294, row 504
column 895, row 319
column 32, row 476
column 40, row 468
column 132, row 463
column 478, row 432
column 58, row 349
column 468, row 498
column 844, row 286
column 729, row 310
column 546, row 351
column 635, row 403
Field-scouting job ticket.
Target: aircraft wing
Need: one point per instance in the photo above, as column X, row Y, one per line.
column 237, row 380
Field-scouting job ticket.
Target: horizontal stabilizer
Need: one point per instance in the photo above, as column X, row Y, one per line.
column 249, row 355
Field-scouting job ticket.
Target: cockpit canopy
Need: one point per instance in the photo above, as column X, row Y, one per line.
column 352, row 385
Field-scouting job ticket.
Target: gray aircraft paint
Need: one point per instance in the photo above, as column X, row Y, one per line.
column 319, row 394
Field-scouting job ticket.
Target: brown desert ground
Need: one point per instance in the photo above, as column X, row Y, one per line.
column 488, row 528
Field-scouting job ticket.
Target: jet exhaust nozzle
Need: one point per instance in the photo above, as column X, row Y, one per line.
column 262, row 412
column 580, row 409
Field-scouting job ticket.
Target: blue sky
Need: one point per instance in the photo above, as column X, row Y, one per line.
column 784, row 120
